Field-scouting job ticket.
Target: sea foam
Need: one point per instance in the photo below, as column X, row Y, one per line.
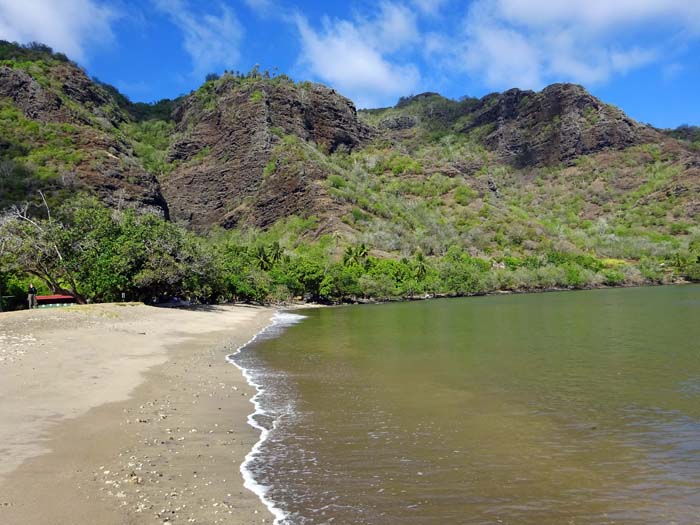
column 278, row 323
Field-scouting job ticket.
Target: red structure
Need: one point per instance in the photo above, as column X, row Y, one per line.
column 54, row 300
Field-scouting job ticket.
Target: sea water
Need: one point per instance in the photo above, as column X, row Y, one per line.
column 555, row 408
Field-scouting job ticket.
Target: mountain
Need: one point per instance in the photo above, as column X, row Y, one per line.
column 66, row 128
column 234, row 156
column 510, row 174
column 525, row 128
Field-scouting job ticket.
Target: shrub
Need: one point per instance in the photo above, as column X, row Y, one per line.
column 270, row 168
column 464, row 195
column 613, row 277
column 336, row 181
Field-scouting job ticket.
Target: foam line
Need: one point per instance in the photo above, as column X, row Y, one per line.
column 279, row 319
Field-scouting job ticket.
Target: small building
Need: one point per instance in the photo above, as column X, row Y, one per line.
column 50, row 301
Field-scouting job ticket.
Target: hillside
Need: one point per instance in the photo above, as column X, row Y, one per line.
column 515, row 182
column 61, row 130
column 236, row 157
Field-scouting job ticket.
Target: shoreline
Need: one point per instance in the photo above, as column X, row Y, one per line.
column 126, row 414
column 150, row 430
column 280, row 319
column 430, row 297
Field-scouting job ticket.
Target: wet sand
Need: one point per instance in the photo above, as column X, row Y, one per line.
column 125, row 414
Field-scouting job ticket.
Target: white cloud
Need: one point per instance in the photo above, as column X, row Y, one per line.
column 394, row 28
column 527, row 43
column 505, row 57
column 599, row 15
column 262, row 7
column 69, row 26
column 429, row 7
column 212, row 41
column 356, row 56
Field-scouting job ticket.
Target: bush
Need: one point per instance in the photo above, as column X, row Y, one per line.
column 613, row 277
column 651, row 270
column 336, row 181
column 692, row 272
column 464, row 195
column 270, row 168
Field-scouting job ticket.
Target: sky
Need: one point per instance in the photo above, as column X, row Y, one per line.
column 640, row 55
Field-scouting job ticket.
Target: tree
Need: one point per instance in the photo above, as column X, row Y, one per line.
column 420, row 265
column 356, row 255
column 275, row 252
column 262, row 257
column 90, row 251
column 40, row 248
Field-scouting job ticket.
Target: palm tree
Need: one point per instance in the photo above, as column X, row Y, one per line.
column 262, row 258
column 356, row 255
column 275, row 252
column 421, row 265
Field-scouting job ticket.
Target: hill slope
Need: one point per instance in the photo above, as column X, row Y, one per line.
column 234, row 152
column 66, row 129
column 506, row 178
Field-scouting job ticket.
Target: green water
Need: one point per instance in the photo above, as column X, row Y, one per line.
column 554, row 408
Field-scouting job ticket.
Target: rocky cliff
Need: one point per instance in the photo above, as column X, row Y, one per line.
column 524, row 128
column 52, row 107
column 250, row 150
column 557, row 124
column 230, row 163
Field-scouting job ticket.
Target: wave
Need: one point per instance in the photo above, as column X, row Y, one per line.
column 278, row 323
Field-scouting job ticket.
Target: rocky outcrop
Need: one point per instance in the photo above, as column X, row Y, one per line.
column 107, row 166
column 35, row 102
column 38, row 102
column 399, row 122
column 553, row 126
column 116, row 176
column 229, row 131
column 523, row 128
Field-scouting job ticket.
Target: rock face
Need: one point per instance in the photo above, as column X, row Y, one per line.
column 399, row 123
column 26, row 93
column 525, row 128
column 107, row 165
column 228, row 170
column 553, row 126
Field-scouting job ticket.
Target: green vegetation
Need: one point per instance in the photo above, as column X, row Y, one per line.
column 256, row 96
column 47, row 147
column 151, row 140
column 426, row 209
column 270, row 168
column 436, row 113
column 685, row 132
column 140, row 111
column 34, row 51
column 96, row 253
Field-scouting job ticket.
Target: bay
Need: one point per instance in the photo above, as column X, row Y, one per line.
column 579, row 407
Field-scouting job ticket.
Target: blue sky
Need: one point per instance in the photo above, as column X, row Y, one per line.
column 641, row 55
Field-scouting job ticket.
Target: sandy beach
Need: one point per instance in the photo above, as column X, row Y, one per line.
column 125, row 414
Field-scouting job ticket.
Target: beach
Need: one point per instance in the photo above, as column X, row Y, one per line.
column 126, row 414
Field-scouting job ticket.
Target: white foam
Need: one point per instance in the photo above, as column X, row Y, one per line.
column 278, row 322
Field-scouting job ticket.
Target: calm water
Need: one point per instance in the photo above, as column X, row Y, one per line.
column 524, row 409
